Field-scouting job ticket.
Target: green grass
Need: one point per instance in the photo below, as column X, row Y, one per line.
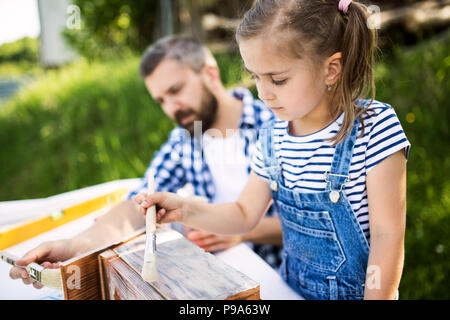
column 20, row 58
column 417, row 83
column 83, row 125
column 14, row 70
column 90, row 123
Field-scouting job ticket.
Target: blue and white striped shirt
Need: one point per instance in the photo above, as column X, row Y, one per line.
column 305, row 159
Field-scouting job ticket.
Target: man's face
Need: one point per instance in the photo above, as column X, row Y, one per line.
column 182, row 94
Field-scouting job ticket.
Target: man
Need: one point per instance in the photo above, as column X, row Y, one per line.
column 209, row 151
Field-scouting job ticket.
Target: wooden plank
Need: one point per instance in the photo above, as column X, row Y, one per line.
column 126, row 284
column 104, row 280
column 185, row 272
column 85, row 268
column 81, row 278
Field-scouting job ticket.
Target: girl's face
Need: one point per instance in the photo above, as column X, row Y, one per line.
column 289, row 87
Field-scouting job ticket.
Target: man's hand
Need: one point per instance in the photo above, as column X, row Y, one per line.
column 212, row 242
column 48, row 254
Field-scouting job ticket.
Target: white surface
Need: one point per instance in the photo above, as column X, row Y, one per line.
column 227, row 164
column 240, row 257
column 15, row 289
column 272, row 286
column 15, row 211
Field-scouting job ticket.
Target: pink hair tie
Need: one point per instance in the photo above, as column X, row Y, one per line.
column 344, row 4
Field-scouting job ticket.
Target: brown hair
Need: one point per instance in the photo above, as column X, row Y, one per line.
column 317, row 29
column 186, row 50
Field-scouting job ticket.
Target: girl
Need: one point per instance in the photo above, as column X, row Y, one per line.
column 334, row 164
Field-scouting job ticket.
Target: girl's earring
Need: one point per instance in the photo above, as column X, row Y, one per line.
column 329, row 88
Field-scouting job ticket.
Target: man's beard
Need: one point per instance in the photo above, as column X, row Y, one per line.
column 206, row 114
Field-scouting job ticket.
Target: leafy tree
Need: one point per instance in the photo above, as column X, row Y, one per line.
column 25, row 49
column 114, row 27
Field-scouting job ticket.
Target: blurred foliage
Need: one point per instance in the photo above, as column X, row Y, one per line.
column 416, row 82
column 19, row 57
column 19, row 69
column 113, row 28
column 76, row 127
column 25, row 49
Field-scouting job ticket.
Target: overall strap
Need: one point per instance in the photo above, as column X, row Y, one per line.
column 340, row 166
column 271, row 166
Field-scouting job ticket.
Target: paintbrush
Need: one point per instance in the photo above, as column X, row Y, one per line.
column 149, row 271
column 48, row 277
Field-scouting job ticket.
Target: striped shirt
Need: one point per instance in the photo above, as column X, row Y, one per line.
column 305, row 159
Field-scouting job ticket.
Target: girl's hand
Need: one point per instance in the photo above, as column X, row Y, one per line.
column 169, row 206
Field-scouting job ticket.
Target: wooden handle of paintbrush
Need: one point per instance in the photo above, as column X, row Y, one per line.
column 150, row 220
column 150, row 217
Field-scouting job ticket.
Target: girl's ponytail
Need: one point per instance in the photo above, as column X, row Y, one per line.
column 356, row 81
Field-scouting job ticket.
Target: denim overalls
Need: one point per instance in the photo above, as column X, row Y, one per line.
column 325, row 251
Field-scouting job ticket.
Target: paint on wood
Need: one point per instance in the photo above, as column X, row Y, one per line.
column 126, row 284
column 185, row 272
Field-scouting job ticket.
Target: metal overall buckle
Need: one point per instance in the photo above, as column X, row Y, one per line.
column 272, row 183
column 334, row 194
